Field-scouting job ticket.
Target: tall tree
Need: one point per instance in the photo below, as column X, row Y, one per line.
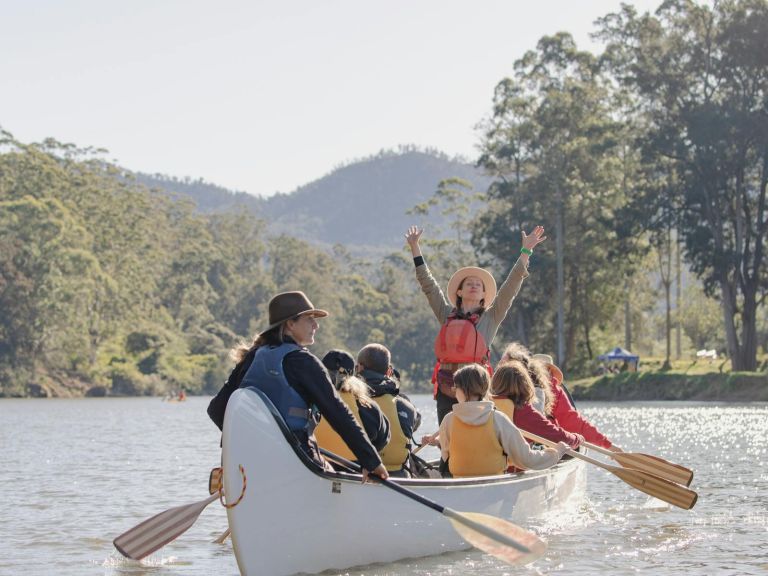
column 551, row 145
column 702, row 76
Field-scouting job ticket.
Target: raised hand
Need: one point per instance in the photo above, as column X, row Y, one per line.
column 412, row 237
column 536, row 237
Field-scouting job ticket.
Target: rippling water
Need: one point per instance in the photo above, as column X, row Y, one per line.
column 75, row 473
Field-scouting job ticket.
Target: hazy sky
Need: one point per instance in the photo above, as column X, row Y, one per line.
column 266, row 96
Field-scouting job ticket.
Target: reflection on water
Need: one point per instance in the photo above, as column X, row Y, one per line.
column 75, row 473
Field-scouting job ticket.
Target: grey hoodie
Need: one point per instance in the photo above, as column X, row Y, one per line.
column 515, row 446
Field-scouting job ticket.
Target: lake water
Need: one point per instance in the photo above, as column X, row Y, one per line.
column 76, row 473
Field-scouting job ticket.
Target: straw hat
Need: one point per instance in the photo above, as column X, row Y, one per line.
column 556, row 373
column 287, row 305
column 488, row 283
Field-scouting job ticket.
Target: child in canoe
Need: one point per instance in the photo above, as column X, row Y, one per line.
column 477, row 440
column 513, row 394
column 554, row 402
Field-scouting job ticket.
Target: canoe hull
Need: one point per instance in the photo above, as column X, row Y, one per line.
column 293, row 519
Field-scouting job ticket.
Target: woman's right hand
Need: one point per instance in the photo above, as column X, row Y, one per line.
column 412, row 237
column 562, row 448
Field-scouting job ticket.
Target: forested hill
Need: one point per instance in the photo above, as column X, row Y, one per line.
column 361, row 204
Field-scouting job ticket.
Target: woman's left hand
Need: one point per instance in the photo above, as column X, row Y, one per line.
column 536, row 237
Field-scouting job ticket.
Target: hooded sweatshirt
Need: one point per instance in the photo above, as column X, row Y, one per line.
column 512, row 442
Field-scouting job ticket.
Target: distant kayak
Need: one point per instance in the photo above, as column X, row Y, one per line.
column 344, row 523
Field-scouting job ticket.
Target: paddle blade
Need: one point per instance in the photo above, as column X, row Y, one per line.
column 660, row 488
column 154, row 533
column 499, row 538
column 656, row 466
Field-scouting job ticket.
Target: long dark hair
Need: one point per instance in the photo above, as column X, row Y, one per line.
column 273, row 337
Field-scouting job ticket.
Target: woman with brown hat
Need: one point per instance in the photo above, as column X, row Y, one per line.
column 470, row 315
column 298, row 384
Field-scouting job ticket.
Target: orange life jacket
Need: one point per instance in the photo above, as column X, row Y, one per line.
column 459, row 342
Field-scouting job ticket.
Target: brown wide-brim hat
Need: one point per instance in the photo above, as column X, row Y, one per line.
column 488, row 283
column 556, row 373
column 288, row 305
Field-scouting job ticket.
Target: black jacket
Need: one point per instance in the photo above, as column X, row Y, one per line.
column 306, row 374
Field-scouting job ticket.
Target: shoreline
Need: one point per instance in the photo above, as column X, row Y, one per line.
column 714, row 386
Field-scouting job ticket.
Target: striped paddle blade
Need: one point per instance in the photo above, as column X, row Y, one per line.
column 154, row 533
column 498, row 537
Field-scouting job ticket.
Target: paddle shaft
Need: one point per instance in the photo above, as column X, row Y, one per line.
column 647, row 482
column 646, row 462
column 450, row 513
column 223, row 537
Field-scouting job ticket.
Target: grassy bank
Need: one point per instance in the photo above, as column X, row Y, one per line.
column 648, row 385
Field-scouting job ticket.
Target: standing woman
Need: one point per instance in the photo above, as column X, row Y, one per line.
column 298, row 384
column 470, row 315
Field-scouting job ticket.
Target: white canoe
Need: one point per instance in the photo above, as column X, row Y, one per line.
column 294, row 517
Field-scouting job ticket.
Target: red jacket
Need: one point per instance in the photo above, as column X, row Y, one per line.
column 567, row 417
column 531, row 420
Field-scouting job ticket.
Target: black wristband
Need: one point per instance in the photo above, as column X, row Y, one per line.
column 418, row 261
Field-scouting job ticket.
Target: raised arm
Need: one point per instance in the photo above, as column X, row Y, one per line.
column 437, row 300
column 511, row 286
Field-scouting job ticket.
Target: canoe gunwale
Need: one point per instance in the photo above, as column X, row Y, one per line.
column 318, row 470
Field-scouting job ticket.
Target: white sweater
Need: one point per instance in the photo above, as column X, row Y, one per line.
column 516, row 448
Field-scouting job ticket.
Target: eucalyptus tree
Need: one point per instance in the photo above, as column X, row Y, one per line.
column 552, row 146
column 701, row 74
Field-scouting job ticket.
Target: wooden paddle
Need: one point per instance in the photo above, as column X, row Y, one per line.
column 495, row 536
column 156, row 532
column 647, row 463
column 651, row 484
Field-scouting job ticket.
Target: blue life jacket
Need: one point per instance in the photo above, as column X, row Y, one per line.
column 266, row 373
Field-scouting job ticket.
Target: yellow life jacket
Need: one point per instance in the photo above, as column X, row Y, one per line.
column 329, row 439
column 395, row 453
column 505, row 405
column 475, row 450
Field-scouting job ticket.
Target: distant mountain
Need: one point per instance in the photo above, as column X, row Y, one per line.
column 209, row 197
column 362, row 204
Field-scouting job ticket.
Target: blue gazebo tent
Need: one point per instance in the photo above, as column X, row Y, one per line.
column 618, row 354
